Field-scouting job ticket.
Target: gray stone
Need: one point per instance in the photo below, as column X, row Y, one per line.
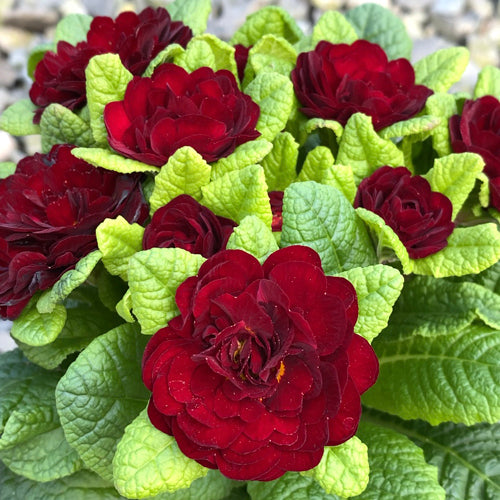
column 6, row 341
column 31, row 19
column 8, row 146
column 448, row 7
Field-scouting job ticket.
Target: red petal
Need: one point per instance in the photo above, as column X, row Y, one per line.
column 363, row 363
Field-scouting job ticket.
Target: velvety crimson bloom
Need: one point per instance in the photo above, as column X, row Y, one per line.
column 185, row 223
column 158, row 115
column 477, row 130
column 261, row 369
column 241, row 57
column 334, row 81
column 137, row 38
column 50, row 209
column 420, row 217
column 276, row 199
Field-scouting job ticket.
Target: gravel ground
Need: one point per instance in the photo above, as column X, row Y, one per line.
column 431, row 24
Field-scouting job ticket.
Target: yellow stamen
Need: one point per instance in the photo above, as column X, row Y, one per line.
column 281, row 371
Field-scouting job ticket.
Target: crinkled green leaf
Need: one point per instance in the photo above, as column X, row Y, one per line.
column 342, row 178
column 322, row 218
column 106, row 81
column 489, row 278
column 100, row 394
column 484, row 190
column 280, row 164
column 488, row 82
column 253, row 236
column 469, row 250
column 386, row 238
column 378, row 25
column 274, row 95
column 185, row 173
column 36, row 55
column 59, row 125
column 455, row 176
column 412, row 126
column 316, row 124
column 441, row 69
column 105, row 158
column 317, row 162
column 239, row 193
column 168, row 54
column 68, row 282
column 398, row 469
column 17, row 119
column 118, row 240
column 453, row 376
column 149, row 462
column 269, row 20
column 7, row 168
column 154, row 276
column 72, row 28
column 246, row 154
column 124, row 308
column 333, row 27
column 364, row 150
column 272, row 53
column 193, row 13
column 377, row 287
column 343, row 470
column 442, row 106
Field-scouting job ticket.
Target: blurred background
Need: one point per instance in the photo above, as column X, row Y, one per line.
column 431, row 24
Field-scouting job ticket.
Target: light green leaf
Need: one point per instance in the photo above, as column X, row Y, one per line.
column 253, row 236
column 378, row 25
column 269, row 20
column 274, row 95
column 279, row 165
column 322, row 218
column 7, row 168
column 274, row 54
column 106, row 81
column 36, row 55
column 68, row 282
column 124, row 308
column 489, row 278
column 316, row 124
column 377, row 287
column 154, row 276
column 239, row 193
column 453, row 376
column 17, row 119
column 364, row 150
column 149, row 462
column 342, row 178
column 333, row 27
column 343, row 470
column 246, row 154
column 455, row 176
column 105, row 158
column 59, row 125
column 470, row 250
column 193, row 13
column 398, row 470
column 100, row 394
column 412, row 126
column 442, row 106
column 488, row 82
column 318, row 161
column 118, row 240
column 72, row 28
column 441, row 69
column 185, row 173
column 168, row 54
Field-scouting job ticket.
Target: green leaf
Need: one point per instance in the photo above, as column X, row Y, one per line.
column 193, row 13
column 342, row 178
column 72, row 28
column 378, row 25
column 239, row 193
column 17, row 119
column 333, row 27
column 489, row 278
column 343, row 470
column 488, row 82
column 364, row 150
column 124, row 308
column 274, row 95
column 442, row 106
column 59, row 125
column 154, row 276
column 269, row 20
column 68, row 282
column 186, row 172
column 322, row 218
column 453, row 376
column 118, row 240
column 377, row 287
column 106, row 81
column 469, row 250
column 316, row 124
column 318, row 161
column 441, row 69
column 168, row 54
column 253, row 236
column 36, row 55
column 412, row 126
column 7, row 168
column 279, row 165
column 398, row 469
column 274, row 54
column 100, row 394
column 100, row 157
column 149, row 462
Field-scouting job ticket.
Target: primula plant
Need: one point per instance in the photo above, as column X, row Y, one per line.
column 262, row 268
